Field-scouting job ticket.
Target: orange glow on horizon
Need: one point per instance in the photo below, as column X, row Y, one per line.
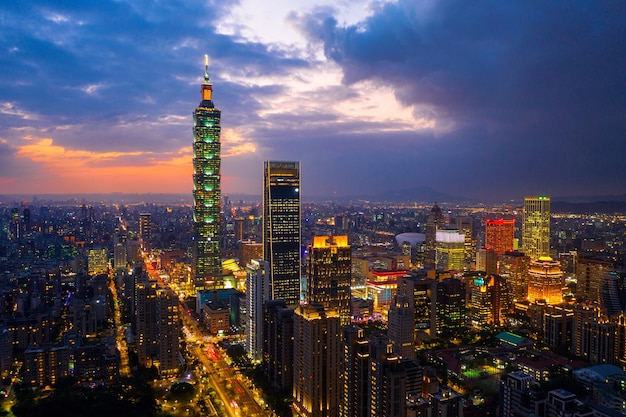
column 63, row 170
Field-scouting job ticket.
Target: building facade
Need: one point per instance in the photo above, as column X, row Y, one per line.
column 545, row 281
column 281, row 228
column 328, row 273
column 536, row 227
column 207, row 263
column 499, row 235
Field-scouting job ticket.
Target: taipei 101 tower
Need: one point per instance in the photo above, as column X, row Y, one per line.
column 207, row 263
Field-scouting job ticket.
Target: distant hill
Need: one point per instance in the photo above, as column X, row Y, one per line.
column 605, row 207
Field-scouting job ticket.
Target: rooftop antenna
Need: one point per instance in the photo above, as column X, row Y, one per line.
column 206, row 69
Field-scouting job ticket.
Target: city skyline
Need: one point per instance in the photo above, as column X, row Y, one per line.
column 509, row 100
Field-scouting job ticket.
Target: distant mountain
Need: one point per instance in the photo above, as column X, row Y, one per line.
column 604, row 207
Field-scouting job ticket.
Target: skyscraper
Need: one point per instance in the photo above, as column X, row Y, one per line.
column 536, row 227
column 317, row 361
column 145, row 229
column 401, row 326
column 545, row 281
column 499, row 235
column 207, row 263
column 257, row 293
column 355, row 373
column 434, row 221
column 281, row 228
column 328, row 273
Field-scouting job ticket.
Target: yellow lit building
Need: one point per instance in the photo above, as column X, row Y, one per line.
column 536, row 227
column 545, row 281
column 328, row 272
column 450, row 250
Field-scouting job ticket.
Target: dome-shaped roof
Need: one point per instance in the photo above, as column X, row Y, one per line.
column 412, row 238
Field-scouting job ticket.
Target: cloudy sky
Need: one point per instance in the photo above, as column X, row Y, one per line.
column 491, row 99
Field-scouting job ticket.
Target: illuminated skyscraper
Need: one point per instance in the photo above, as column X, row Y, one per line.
column 545, row 281
column 449, row 250
column 434, row 222
column 145, row 229
column 499, row 235
column 317, row 361
column 281, row 228
column 328, row 272
column 207, row 264
column 257, row 293
column 536, row 227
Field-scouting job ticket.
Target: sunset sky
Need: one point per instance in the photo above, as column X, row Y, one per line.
column 492, row 99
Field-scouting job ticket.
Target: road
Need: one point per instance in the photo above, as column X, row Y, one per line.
column 227, row 381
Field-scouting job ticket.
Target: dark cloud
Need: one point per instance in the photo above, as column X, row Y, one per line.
column 536, row 90
column 97, row 64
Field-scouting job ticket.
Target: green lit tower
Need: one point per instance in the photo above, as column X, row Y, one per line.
column 207, row 263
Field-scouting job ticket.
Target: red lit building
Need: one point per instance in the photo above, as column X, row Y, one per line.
column 499, row 235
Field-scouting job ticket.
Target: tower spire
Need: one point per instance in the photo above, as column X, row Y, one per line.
column 206, row 88
column 206, row 69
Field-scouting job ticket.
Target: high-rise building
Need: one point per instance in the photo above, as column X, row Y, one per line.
column 257, row 293
column 499, row 235
column 423, row 291
column 488, row 299
column 594, row 335
column 451, row 314
column 145, row 229
column 536, row 227
column 207, row 263
column 277, row 362
column 514, row 269
column 281, row 228
column 392, row 379
column 545, row 281
column 316, row 361
column 401, row 326
column 328, row 273
column 97, row 261
column 589, row 274
column 156, row 315
column 355, row 373
column 450, row 250
column 434, row 222
column 514, row 389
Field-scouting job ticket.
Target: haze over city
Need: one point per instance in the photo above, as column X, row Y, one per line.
column 495, row 100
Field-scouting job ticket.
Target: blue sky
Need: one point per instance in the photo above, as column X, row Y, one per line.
column 486, row 100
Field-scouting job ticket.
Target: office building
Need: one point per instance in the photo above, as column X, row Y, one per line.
column 451, row 312
column 97, row 261
column 317, row 361
column 589, row 274
column 423, row 291
column 207, row 263
column 594, row 335
column 277, row 349
column 514, row 394
column 355, row 378
column 281, row 228
column 157, row 323
column 400, row 322
column 257, row 293
column 536, row 227
column 499, row 235
column 488, row 299
column 249, row 250
column 450, row 250
column 514, row 269
column 328, row 274
column 434, row 222
column 145, row 230
column 545, row 281
column 392, row 379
